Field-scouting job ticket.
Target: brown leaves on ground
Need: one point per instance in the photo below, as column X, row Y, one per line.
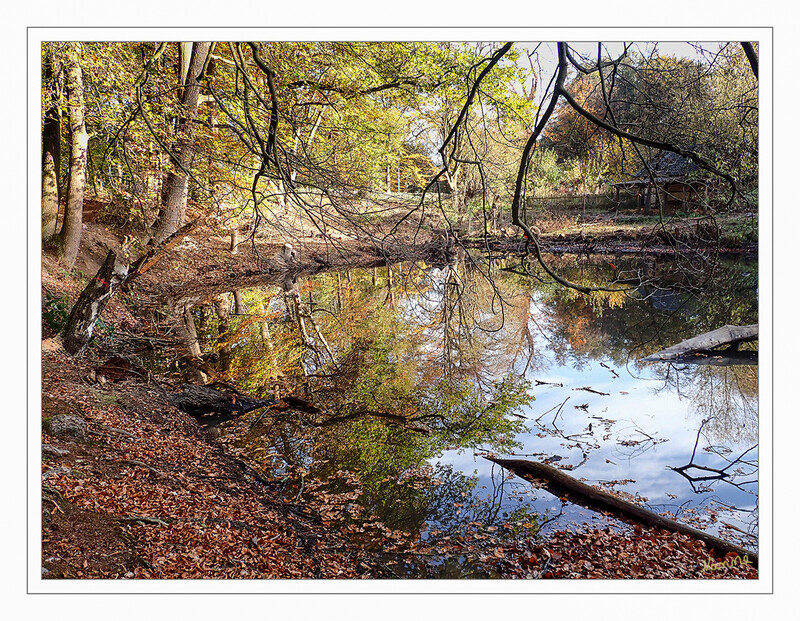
column 607, row 554
column 149, row 496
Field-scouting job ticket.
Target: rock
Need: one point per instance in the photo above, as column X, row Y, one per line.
column 59, row 471
column 49, row 449
column 66, row 425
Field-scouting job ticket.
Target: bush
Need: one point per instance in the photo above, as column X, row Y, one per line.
column 56, row 311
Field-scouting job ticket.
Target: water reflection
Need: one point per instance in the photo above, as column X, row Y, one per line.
column 400, row 377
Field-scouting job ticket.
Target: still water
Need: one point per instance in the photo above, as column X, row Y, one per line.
column 410, row 374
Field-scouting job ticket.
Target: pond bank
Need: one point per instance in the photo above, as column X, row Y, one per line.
column 135, row 488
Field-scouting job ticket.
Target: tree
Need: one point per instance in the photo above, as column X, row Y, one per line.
column 647, row 136
column 51, row 140
column 193, row 62
column 70, row 236
column 477, row 117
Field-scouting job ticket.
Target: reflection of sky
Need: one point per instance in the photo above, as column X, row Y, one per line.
column 659, row 413
column 639, row 408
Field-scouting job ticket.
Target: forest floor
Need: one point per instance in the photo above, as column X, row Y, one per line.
column 134, row 488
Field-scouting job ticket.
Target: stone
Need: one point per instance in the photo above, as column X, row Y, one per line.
column 66, row 425
column 59, row 471
column 49, row 449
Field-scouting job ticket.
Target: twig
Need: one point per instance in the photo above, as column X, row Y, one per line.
column 587, row 389
column 540, row 383
column 553, row 408
column 605, row 366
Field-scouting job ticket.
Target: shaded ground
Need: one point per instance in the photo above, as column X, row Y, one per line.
column 134, row 488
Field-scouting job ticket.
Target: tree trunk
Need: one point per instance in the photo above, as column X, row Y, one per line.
column 51, row 148
column 91, row 303
column 455, row 190
column 111, row 275
column 559, row 483
column 705, row 343
column 192, row 340
column 176, row 186
column 234, row 240
column 79, row 141
column 193, row 343
column 222, row 306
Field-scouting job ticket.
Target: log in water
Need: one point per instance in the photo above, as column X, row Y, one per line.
column 704, row 344
column 562, row 484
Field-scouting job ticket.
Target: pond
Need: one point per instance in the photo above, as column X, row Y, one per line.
column 402, row 378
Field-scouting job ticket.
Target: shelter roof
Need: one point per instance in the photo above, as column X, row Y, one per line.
column 667, row 164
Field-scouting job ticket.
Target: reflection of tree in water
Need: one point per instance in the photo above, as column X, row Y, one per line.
column 476, row 325
column 669, row 308
column 734, row 471
column 363, row 348
column 406, row 361
column 725, row 396
column 720, row 465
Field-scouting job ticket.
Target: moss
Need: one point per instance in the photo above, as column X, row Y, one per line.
column 109, row 398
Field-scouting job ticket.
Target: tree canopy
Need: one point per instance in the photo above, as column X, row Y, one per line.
column 326, row 136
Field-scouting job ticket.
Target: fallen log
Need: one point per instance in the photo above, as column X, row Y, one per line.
column 705, row 344
column 561, row 484
column 202, row 400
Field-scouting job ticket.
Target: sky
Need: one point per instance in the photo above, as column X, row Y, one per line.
column 546, row 55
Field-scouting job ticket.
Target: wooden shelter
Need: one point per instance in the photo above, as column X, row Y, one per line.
column 670, row 180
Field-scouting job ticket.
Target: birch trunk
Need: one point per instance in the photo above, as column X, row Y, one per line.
column 70, row 235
